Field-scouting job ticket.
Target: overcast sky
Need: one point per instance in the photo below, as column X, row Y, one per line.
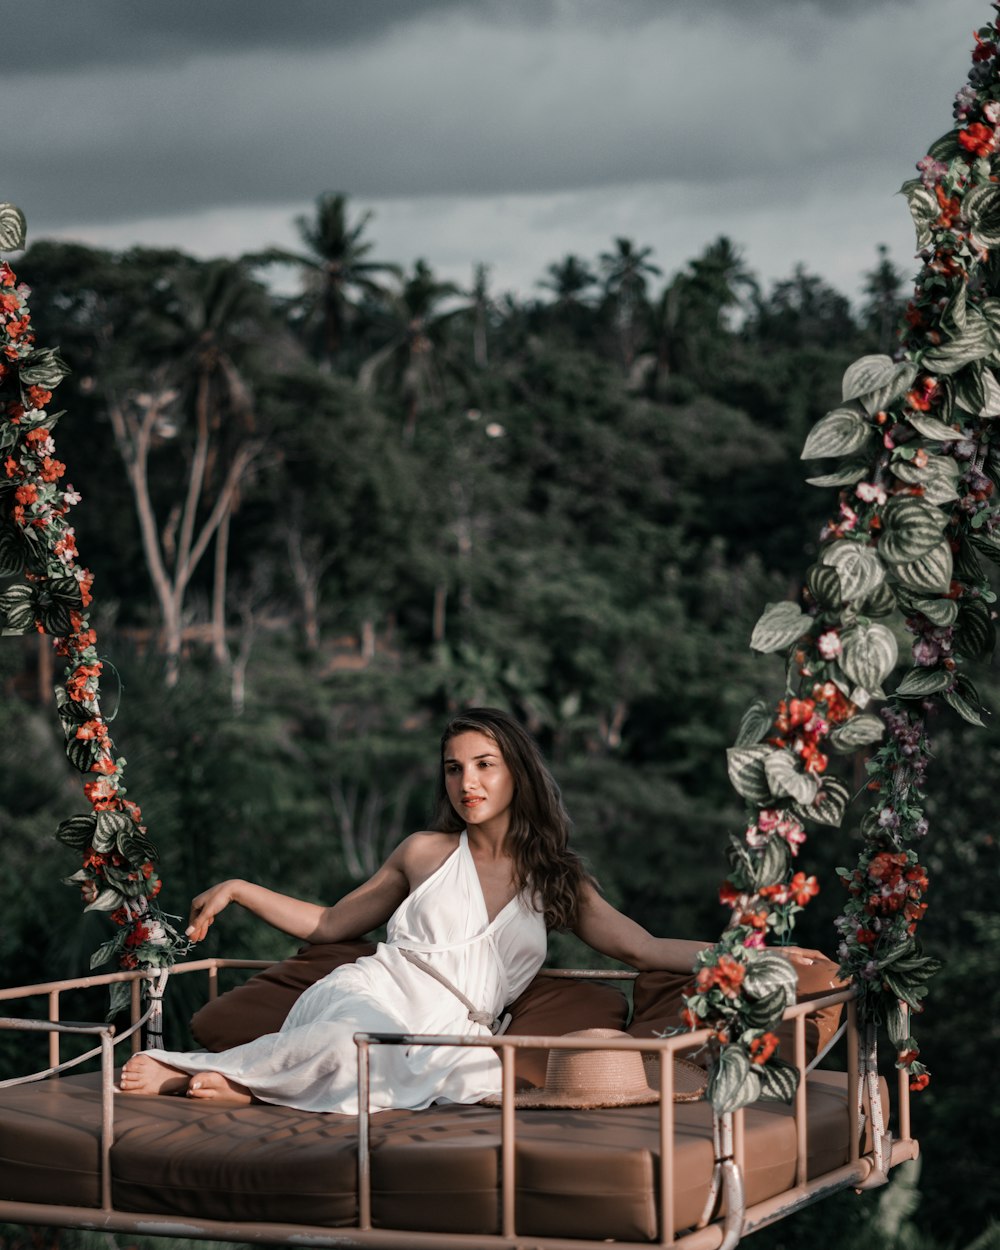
column 504, row 131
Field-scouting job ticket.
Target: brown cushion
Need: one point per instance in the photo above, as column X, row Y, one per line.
column 658, row 1003
column 552, row 1006
column 589, row 1174
column 260, row 1005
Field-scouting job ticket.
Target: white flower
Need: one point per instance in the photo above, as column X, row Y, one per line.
column 495, row 430
column 870, row 493
column 829, row 644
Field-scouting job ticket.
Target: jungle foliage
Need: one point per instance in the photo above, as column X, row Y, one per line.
column 574, row 506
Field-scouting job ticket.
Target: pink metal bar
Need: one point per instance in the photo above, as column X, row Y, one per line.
column 107, row 1114
column 801, row 1104
column 361, row 1040
column 53, row 1037
column 507, row 1148
column 666, row 1064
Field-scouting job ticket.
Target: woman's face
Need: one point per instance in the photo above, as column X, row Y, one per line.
column 478, row 782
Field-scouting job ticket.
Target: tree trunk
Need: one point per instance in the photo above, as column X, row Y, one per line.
column 440, row 607
column 368, row 640
column 219, row 649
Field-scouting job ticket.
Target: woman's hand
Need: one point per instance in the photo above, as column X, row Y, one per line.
column 207, row 906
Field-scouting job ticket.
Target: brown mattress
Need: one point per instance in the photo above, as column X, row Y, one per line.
column 591, row 1174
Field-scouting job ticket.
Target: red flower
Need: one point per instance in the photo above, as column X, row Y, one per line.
column 866, row 937
column 917, row 1083
column 39, row 396
column 803, row 888
column 26, row 494
column 52, row 470
column 762, row 1048
column 729, row 896
column 906, row 1057
column 977, row 139
column 727, row 975
column 983, row 49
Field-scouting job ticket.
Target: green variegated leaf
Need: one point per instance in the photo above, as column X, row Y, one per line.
column 43, row 367
column 18, row 606
column 784, row 777
column 119, row 998
column 13, row 228
column 853, row 471
column 80, row 752
column 839, row 433
column 956, row 315
column 991, row 392
column 754, row 724
column 770, row 973
column 111, row 826
column 981, row 209
column 829, row 805
column 869, row 654
column 77, row 831
column 970, row 388
column 931, row 573
column 977, row 635
column 986, row 545
column 11, row 552
column 867, row 374
column 910, row 528
column 964, row 698
column 779, row 1081
column 746, row 772
column 918, row 683
column 824, row 586
column 780, row 625
column 938, row 611
column 946, row 148
column 859, row 568
column 967, row 565
column 976, row 341
column 880, row 602
column 903, row 376
column 107, row 900
column 897, row 1025
column 770, row 865
column 733, row 1082
column 932, row 428
column 861, row 730
column 924, row 209
column 764, row 1013
column 938, row 477
column 106, row 951
column 135, row 846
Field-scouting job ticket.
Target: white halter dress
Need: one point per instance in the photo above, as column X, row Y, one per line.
column 311, row 1064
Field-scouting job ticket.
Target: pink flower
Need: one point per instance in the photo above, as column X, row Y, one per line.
column 848, row 519
column 932, row 171
column 829, row 644
column 768, row 819
column 754, row 939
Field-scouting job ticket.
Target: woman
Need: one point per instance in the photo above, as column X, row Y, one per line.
column 468, row 906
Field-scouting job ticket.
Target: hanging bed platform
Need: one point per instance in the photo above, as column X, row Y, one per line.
column 75, row 1153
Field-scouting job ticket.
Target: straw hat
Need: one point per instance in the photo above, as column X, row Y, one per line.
column 603, row 1078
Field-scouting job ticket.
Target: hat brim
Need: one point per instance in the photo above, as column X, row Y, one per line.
column 689, row 1086
column 547, row 1100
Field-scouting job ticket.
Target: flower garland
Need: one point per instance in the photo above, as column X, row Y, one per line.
column 918, row 464
column 118, row 874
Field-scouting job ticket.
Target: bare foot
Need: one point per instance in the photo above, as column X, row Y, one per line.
column 144, row 1075
column 214, row 1087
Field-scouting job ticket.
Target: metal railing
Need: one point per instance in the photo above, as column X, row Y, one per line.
column 710, row 1233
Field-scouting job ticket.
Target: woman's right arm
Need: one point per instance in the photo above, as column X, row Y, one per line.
column 365, row 908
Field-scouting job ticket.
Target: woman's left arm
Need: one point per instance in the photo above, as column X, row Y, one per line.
column 605, row 929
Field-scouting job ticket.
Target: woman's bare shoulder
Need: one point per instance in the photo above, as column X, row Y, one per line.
column 423, row 852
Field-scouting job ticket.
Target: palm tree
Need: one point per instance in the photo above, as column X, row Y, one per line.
column 568, row 279
column 415, row 350
column 336, row 265
column 626, row 271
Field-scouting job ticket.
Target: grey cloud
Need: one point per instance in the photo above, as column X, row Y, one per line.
column 76, row 34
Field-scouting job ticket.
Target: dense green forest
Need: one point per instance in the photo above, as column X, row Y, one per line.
column 319, row 523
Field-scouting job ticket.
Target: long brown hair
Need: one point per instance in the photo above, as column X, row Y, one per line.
column 538, row 836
